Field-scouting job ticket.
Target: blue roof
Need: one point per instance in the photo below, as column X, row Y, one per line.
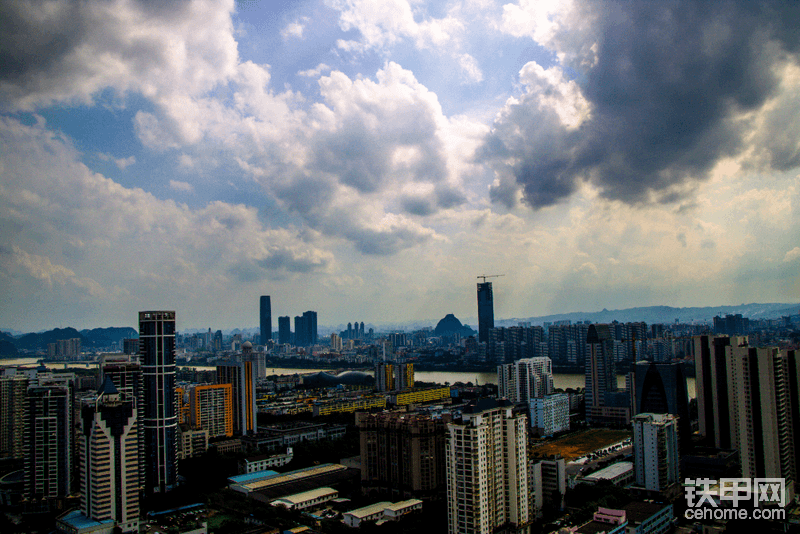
column 76, row 519
column 250, row 477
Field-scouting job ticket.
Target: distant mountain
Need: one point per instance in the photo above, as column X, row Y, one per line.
column 40, row 340
column 666, row 314
column 103, row 337
column 450, row 325
column 7, row 347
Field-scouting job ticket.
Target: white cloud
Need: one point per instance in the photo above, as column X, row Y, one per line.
column 792, row 255
column 294, row 29
column 471, row 69
column 182, row 187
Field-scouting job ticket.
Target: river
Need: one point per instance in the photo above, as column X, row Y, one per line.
column 560, row 380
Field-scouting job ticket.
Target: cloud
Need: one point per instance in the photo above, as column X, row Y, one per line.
column 182, row 187
column 470, row 68
column 792, row 255
column 294, row 29
column 70, row 51
column 663, row 92
column 76, row 228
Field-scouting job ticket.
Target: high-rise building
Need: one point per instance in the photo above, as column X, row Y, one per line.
column 405, row 376
column 284, row 330
column 13, row 405
column 125, row 372
column 109, row 453
column 604, row 405
column 211, row 408
column 487, row 469
column 525, row 379
column 384, row 377
column 242, row 378
column 712, row 387
column 49, row 440
column 661, row 388
column 655, row 451
column 485, row 311
column 265, row 319
column 549, row 413
column 760, row 394
column 402, row 454
column 157, row 349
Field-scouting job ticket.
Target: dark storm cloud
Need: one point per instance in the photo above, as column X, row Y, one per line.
column 669, row 80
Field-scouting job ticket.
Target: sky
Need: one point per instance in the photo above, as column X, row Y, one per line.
column 369, row 159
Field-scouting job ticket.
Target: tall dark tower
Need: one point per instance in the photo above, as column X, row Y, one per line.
column 485, row 311
column 157, row 346
column 266, row 320
column 284, row 330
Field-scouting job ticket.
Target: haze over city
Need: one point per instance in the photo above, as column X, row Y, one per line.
column 368, row 162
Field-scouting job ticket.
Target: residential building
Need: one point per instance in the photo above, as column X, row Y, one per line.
column 13, row 405
column 604, row 405
column 402, row 453
column 760, row 394
column 712, row 389
column 487, row 469
column 655, row 451
column 661, row 388
column 49, row 440
column 242, row 378
column 525, row 379
column 211, row 408
column 549, row 414
column 157, row 350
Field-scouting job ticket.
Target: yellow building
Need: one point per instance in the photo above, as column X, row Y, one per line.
column 419, row 396
column 211, row 408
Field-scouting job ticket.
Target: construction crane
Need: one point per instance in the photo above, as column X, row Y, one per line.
column 485, row 276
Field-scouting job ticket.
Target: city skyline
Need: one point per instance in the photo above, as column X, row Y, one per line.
column 373, row 163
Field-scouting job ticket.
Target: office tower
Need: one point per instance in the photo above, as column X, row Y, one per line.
column 301, row 331
column 487, row 469
column 13, row 403
column 549, row 414
column 525, row 379
column 265, row 321
column 655, row 451
column 49, row 440
column 211, row 408
column 712, row 388
column 384, row 377
column 485, row 311
column 259, row 359
column 284, row 330
column 361, row 330
column 125, row 371
column 157, row 349
column 759, row 394
column 310, row 335
column 216, row 341
column 661, row 388
column 109, row 452
column 242, row 378
column 601, row 378
column 402, row 454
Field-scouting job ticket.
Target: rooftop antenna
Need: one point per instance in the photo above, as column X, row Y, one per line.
column 485, row 276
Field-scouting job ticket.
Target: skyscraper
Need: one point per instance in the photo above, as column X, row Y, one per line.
column 485, row 311
column 242, row 378
column 712, row 387
column 603, row 404
column 125, row 371
column 13, row 397
column 661, row 388
column 760, row 393
column 487, row 469
column 157, row 346
column 265, row 317
column 109, row 475
column 49, row 442
column 284, row 330
column 655, row 451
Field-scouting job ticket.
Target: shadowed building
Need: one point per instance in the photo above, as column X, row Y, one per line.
column 157, row 347
column 265, row 319
column 485, row 311
column 661, row 388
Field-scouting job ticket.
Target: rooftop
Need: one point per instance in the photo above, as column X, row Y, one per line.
column 610, row 472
